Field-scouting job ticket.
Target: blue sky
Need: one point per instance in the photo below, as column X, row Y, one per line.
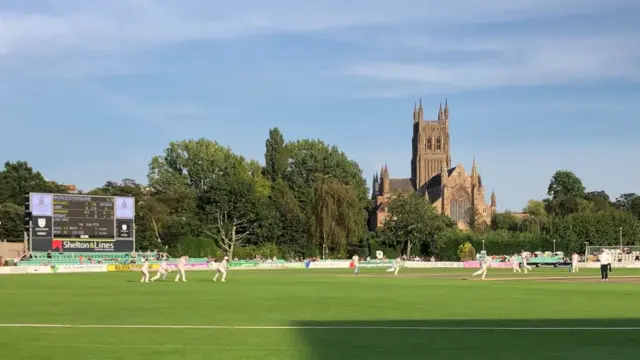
column 91, row 90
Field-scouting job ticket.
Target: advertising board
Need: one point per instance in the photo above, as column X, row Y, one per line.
column 5, row 270
column 129, row 267
column 430, row 265
column 80, row 268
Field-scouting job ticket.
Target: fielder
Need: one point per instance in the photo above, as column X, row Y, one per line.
column 222, row 269
column 145, row 271
column 574, row 262
column 515, row 263
column 163, row 270
column 356, row 264
column 182, row 261
column 485, row 263
column 395, row 266
column 526, row 267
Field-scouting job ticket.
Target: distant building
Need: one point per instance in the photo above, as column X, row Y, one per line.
column 451, row 190
column 72, row 189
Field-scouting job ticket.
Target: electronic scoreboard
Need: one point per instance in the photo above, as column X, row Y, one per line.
column 81, row 223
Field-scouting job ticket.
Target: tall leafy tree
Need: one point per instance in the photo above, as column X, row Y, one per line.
column 291, row 228
column 276, row 157
column 337, row 215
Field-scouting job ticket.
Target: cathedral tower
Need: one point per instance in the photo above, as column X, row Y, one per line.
column 430, row 145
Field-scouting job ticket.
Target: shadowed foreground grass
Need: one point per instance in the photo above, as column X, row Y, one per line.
column 429, row 314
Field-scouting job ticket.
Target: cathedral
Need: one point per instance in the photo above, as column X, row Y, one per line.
column 451, row 190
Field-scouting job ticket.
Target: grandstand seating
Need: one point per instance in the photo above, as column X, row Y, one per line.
column 39, row 258
column 535, row 260
column 545, row 260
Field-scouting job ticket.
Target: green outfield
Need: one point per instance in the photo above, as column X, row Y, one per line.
column 323, row 314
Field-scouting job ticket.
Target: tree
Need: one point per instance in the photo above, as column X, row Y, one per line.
column 505, row 221
column 11, row 222
column 413, row 221
column 309, row 158
column 537, row 218
column 18, row 179
column 599, row 199
column 276, row 158
column 337, row 216
column 291, row 227
column 535, row 208
column 200, row 180
column 563, row 205
column 565, row 183
column 466, row 252
column 600, row 194
column 231, row 231
column 629, row 202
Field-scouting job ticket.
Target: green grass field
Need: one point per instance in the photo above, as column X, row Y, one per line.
column 323, row 314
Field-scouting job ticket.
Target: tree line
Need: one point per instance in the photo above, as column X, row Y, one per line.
column 309, row 198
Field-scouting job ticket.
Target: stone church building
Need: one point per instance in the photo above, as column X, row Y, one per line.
column 451, row 190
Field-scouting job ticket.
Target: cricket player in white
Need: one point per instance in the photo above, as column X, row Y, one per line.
column 515, row 263
column 182, row 261
column 163, row 270
column 145, row 271
column 526, row 267
column 395, row 266
column 222, row 269
column 574, row 262
column 356, row 264
column 485, row 263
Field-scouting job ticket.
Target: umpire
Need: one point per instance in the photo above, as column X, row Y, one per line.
column 605, row 262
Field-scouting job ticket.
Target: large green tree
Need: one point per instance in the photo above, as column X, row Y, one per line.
column 17, row 179
column 337, row 216
column 413, row 222
column 309, row 158
column 210, row 191
column 565, row 183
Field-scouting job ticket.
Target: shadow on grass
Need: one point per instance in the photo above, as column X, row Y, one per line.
column 471, row 339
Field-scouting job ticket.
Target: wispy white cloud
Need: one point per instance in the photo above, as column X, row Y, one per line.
column 512, row 62
column 76, row 38
column 116, row 25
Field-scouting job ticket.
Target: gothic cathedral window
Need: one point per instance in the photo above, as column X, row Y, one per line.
column 438, row 143
column 429, row 143
column 460, row 206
